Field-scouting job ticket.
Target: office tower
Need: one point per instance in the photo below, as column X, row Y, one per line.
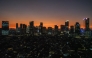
column 16, row 28
column 87, row 29
column 86, row 24
column 67, row 26
column 5, row 27
column 31, row 28
column 16, row 25
column 77, row 28
column 27, row 29
column 21, row 28
column 24, row 28
column 44, row 30
column 55, row 29
column 62, row 28
column 50, row 31
column 67, row 23
column 71, row 29
column 41, row 24
column 41, row 27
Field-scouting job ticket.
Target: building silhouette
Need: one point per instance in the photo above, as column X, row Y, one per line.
column 86, row 24
column 77, row 28
column 71, row 30
column 21, row 28
column 87, row 29
column 17, row 28
column 50, row 31
column 55, row 29
column 5, row 27
column 41, row 28
column 31, row 28
column 67, row 24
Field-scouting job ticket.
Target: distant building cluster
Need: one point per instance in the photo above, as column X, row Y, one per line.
column 75, row 30
column 41, row 42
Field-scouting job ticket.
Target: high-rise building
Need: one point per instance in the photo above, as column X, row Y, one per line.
column 50, row 31
column 31, row 27
column 5, row 27
column 62, row 28
column 41, row 24
column 55, row 29
column 16, row 25
column 41, row 27
column 24, row 28
column 71, row 29
column 44, row 30
column 87, row 29
column 86, row 24
column 67, row 26
column 21, row 28
column 77, row 28
column 67, row 23
column 16, row 28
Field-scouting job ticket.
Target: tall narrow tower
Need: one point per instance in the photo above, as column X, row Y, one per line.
column 86, row 24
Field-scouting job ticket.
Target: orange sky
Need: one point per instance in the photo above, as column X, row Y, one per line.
column 49, row 12
column 12, row 23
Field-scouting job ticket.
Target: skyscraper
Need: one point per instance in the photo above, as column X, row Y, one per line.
column 24, row 28
column 16, row 28
column 31, row 27
column 77, row 28
column 55, row 29
column 87, row 29
column 50, row 31
column 71, row 29
column 67, row 26
column 41, row 27
column 86, row 24
column 62, row 28
column 67, row 23
column 21, row 28
column 5, row 27
column 16, row 25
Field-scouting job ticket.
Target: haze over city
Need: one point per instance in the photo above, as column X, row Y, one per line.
column 50, row 12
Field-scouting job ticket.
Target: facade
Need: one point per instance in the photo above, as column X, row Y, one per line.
column 62, row 27
column 41, row 27
column 87, row 29
column 71, row 30
column 56, row 30
column 5, row 27
column 16, row 28
column 86, row 24
column 67, row 26
column 67, row 23
column 77, row 28
column 50, row 31
column 21, row 28
column 24, row 28
column 31, row 28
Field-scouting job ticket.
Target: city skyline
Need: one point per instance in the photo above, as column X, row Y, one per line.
column 67, row 24
column 49, row 12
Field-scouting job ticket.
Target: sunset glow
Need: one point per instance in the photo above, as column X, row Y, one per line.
column 49, row 12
